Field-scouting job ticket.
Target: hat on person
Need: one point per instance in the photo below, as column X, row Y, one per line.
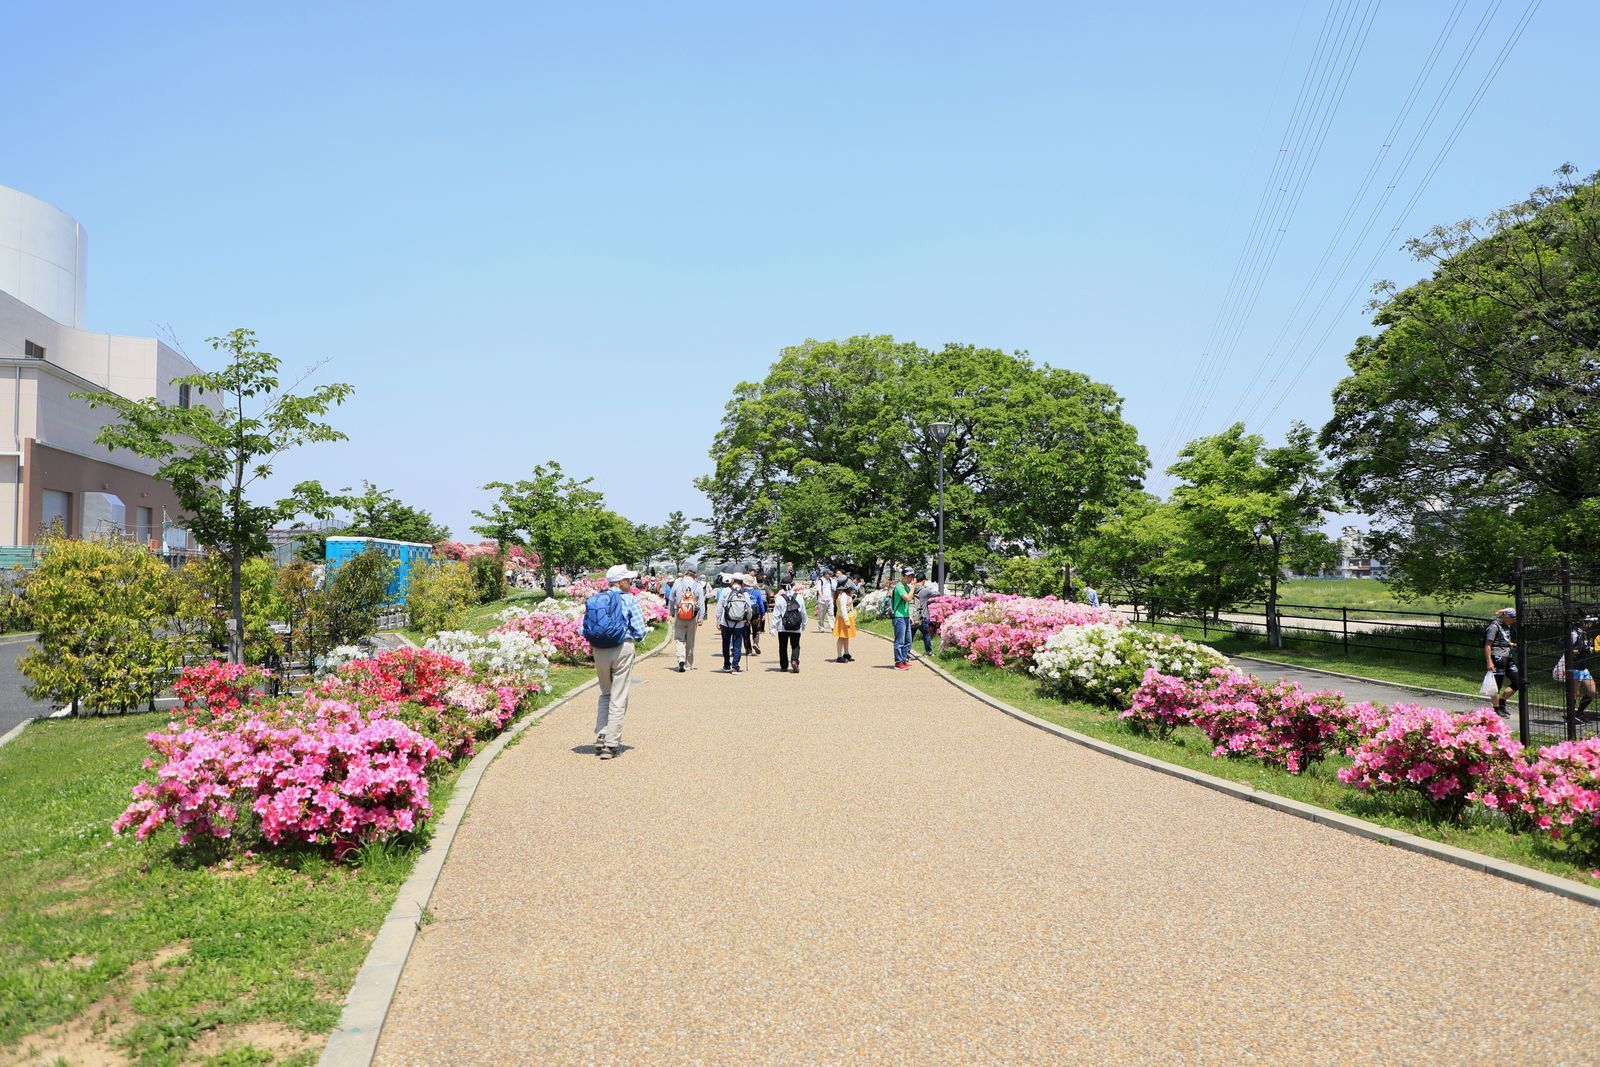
column 1506, row 611
column 620, row 573
column 734, row 578
column 907, row 570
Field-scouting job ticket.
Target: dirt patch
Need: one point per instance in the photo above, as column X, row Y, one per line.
column 275, row 1038
column 88, row 1037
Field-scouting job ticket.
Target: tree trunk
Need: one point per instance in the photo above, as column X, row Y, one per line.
column 549, row 580
column 236, row 638
column 1274, row 627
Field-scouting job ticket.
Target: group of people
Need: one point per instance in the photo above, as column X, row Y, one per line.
column 1580, row 652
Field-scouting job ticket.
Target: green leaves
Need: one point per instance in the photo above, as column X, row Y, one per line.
column 560, row 518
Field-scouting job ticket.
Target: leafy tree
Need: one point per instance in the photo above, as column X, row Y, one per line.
column 557, row 516
column 1133, row 555
column 376, row 512
column 678, row 544
column 354, row 596
column 1248, row 512
column 1469, row 427
column 209, row 579
column 488, row 574
column 113, row 621
column 440, row 594
column 211, row 455
column 829, row 457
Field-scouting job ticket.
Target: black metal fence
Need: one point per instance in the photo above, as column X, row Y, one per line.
column 1444, row 639
column 1555, row 648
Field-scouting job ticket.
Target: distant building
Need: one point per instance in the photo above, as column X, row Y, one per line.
column 56, row 472
column 1355, row 557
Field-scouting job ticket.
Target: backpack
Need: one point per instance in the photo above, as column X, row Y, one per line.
column 688, row 603
column 605, row 623
column 738, row 608
column 793, row 617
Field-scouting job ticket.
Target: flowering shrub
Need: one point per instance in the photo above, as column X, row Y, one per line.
column 1440, row 755
column 1107, row 663
column 504, row 652
column 875, row 605
column 517, row 557
column 217, row 687
column 1007, row 632
column 346, row 762
column 1279, row 723
column 341, row 656
column 584, row 588
column 1161, row 704
column 941, row 608
column 653, row 606
column 562, row 632
column 572, row 609
column 1559, row 793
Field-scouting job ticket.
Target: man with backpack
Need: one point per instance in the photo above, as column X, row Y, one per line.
column 612, row 622
column 686, row 601
column 734, row 610
column 789, row 619
column 758, row 618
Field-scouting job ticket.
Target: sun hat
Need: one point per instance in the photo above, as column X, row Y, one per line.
column 1506, row 611
column 620, row 573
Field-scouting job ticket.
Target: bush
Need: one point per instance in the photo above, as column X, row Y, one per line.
column 1106, row 664
column 1006, row 632
column 488, row 578
column 1025, row 576
column 1432, row 752
column 210, row 583
column 439, row 595
column 114, row 624
column 354, row 596
column 1558, row 793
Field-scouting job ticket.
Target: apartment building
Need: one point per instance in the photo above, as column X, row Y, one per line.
column 51, row 469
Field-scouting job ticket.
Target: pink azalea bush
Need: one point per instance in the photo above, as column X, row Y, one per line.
column 1007, row 632
column 517, row 557
column 217, row 688
column 1558, row 792
column 941, row 608
column 563, row 632
column 346, row 762
column 1429, row 751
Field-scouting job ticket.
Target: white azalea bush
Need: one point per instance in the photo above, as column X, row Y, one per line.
column 1106, row 664
column 509, row 652
column 340, row 656
column 566, row 609
column 875, row 605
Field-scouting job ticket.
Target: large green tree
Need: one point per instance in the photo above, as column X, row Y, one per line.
column 1133, row 555
column 1469, row 427
column 214, row 450
column 1247, row 513
column 830, row 456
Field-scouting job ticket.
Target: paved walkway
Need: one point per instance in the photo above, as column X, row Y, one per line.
column 857, row 865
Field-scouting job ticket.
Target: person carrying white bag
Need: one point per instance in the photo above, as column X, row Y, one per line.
column 1499, row 656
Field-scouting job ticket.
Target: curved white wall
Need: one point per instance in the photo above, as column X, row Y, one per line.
column 42, row 257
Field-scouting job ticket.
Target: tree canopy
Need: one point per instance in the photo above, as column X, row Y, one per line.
column 559, row 517
column 1469, row 426
column 830, row 456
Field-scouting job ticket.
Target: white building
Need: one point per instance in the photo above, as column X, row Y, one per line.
column 1355, row 556
column 49, row 461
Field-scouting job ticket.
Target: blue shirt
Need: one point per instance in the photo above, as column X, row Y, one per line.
column 760, row 601
column 635, row 613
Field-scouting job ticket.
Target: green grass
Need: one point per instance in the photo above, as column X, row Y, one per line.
column 1481, row 831
column 146, row 950
column 485, row 617
column 1371, row 593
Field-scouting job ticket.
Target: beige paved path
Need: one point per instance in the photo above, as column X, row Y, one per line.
column 856, row 865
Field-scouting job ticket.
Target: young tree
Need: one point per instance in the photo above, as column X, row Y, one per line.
column 354, row 596
column 1135, row 555
column 1469, row 427
column 212, row 455
column 1249, row 511
column 555, row 515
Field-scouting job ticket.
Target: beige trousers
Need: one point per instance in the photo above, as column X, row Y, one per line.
column 683, row 634
column 613, row 666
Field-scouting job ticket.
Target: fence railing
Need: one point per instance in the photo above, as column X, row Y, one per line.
column 1442, row 638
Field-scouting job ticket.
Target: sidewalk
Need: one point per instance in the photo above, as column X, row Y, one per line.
column 861, row 865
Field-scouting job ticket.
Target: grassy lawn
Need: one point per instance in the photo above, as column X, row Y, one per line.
column 485, row 617
column 1481, row 832
column 1371, row 593
column 118, row 951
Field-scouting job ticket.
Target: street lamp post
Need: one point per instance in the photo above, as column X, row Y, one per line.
column 941, row 431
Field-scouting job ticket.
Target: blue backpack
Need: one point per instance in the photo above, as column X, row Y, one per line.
column 605, row 623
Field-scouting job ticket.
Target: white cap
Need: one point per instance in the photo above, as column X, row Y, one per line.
column 619, row 572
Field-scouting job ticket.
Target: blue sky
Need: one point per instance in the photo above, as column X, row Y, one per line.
column 526, row 232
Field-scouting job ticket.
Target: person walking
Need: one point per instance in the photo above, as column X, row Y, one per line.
column 1580, row 674
column 758, row 617
column 1090, row 596
column 1499, row 657
column 733, row 615
column 923, row 618
column 612, row 622
column 789, row 620
column 686, row 601
column 844, row 622
column 900, row 612
column 825, row 591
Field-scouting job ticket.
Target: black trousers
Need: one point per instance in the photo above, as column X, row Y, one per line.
column 788, row 646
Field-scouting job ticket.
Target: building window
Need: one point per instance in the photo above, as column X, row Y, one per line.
column 183, row 396
column 57, row 508
column 33, row 349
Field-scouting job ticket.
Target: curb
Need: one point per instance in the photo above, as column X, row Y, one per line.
column 366, row 1006
column 1359, row 678
column 1473, row 861
column 15, row 732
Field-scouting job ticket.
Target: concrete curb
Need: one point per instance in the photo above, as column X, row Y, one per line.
column 1358, row 678
column 15, row 732
column 355, row 1042
column 1511, row 872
